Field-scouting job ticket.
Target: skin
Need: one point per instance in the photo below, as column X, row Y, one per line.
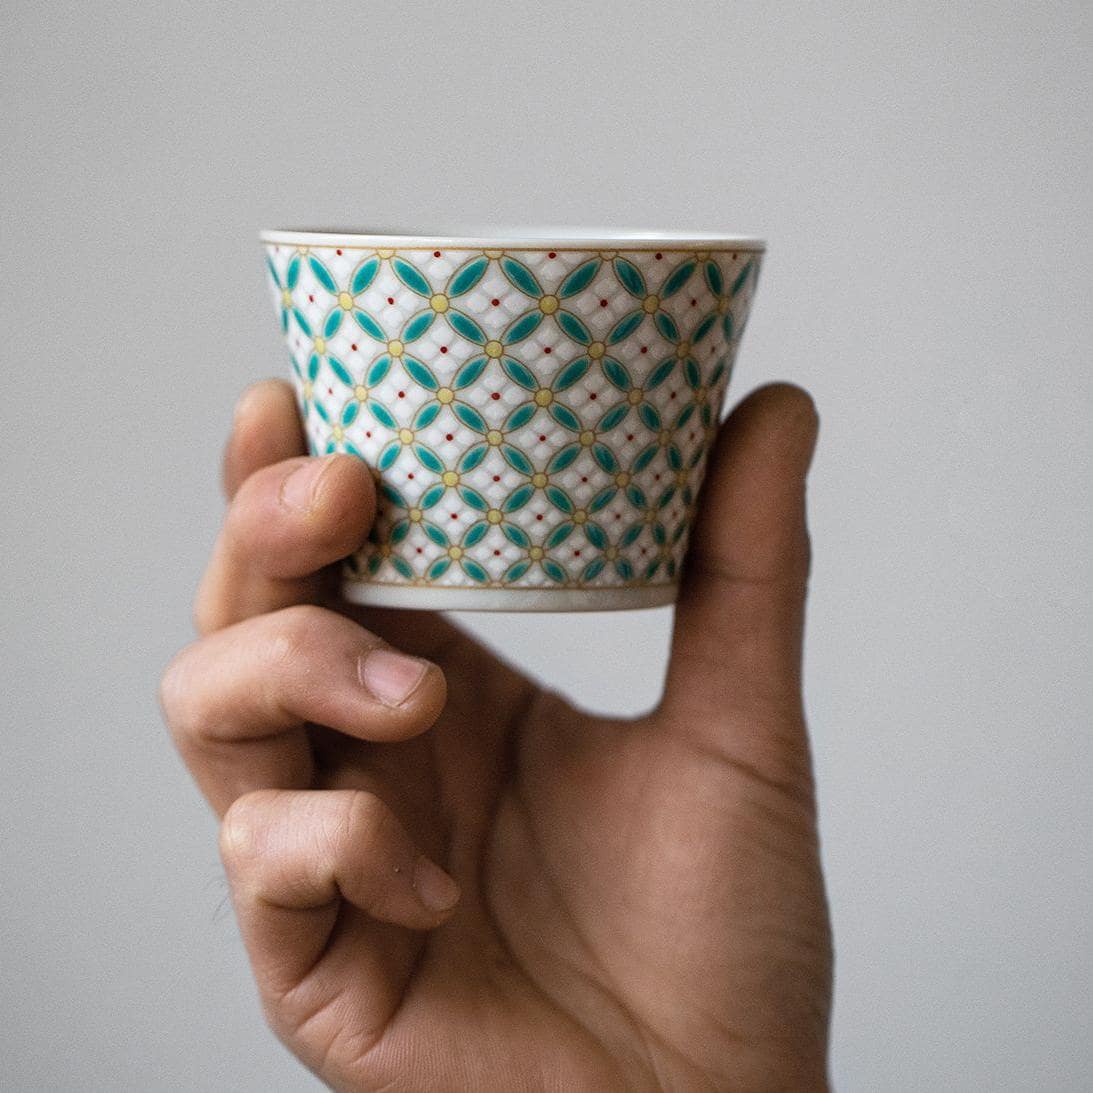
column 637, row 904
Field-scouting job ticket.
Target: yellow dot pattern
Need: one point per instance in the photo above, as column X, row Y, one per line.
column 562, row 355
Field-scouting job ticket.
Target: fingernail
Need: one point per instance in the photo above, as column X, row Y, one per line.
column 390, row 676
column 298, row 487
column 434, row 887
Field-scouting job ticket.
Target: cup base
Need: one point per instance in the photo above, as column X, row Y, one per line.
column 508, row 599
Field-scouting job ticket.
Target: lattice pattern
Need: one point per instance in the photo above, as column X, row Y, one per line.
column 535, row 418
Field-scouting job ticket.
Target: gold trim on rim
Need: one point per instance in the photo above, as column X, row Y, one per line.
column 727, row 245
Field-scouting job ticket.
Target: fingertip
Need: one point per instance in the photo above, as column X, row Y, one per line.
column 434, row 694
column 780, row 418
column 265, row 429
column 241, row 824
column 343, row 506
column 393, row 678
column 303, row 513
column 787, row 394
column 411, row 691
column 435, row 888
column 256, row 396
column 798, row 408
column 346, row 489
column 784, row 402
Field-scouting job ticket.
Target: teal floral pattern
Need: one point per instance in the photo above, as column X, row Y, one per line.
column 535, row 419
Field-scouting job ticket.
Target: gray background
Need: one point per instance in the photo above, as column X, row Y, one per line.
column 923, row 175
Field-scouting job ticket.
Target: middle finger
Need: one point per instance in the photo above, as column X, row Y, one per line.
column 237, row 702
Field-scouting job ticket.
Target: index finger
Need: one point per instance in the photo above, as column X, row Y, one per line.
column 266, row 429
column 286, row 522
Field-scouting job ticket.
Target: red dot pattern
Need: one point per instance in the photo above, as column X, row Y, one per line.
column 673, row 395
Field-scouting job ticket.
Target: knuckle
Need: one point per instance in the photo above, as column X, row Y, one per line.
column 255, row 511
column 213, row 603
column 179, row 697
column 365, row 822
column 207, row 613
column 202, row 618
column 295, row 634
column 254, row 491
column 240, row 826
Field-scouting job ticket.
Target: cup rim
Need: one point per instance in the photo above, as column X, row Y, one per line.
column 569, row 239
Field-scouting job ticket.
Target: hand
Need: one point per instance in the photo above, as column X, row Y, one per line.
column 636, row 904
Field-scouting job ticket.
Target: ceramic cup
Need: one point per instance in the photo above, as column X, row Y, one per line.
column 537, row 409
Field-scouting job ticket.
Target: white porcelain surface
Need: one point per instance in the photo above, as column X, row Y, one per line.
column 537, row 413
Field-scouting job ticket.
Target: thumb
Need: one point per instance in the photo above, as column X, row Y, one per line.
column 736, row 648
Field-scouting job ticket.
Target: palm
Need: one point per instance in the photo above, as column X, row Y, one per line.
column 641, row 901
column 603, row 934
